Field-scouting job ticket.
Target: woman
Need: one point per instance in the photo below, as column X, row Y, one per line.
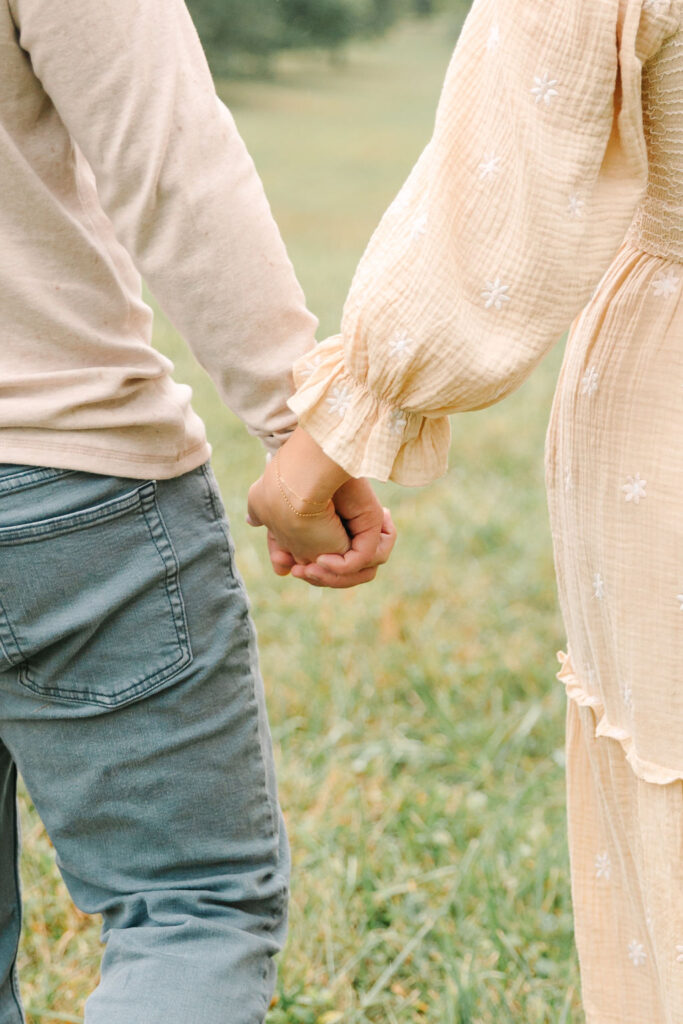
column 552, row 186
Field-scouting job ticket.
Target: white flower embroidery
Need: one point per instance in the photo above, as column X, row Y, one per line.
column 310, row 366
column 419, row 228
column 400, row 345
column 655, row 6
column 598, row 586
column 398, row 421
column 493, row 39
column 544, row 88
column 603, row 866
column 627, row 696
column 340, row 399
column 576, row 205
column 489, row 167
column 665, row 284
column 679, row 597
column 679, row 954
column 634, row 490
column 568, row 479
column 494, row 293
column 636, row 953
column 589, row 382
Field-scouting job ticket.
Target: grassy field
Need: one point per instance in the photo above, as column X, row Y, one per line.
column 418, row 724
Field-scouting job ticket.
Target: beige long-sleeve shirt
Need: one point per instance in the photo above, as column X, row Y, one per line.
column 506, row 224
column 117, row 160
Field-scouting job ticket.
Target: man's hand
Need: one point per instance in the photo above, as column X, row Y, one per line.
column 372, row 535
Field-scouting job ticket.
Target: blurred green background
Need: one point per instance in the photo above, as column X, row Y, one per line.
column 417, row 721
column 245, row 34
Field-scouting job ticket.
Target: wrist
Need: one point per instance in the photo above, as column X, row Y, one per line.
column 303, row 508
column 310, row 476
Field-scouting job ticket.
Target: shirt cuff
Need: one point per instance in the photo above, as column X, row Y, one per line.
column 273, row 442
column 360, row 430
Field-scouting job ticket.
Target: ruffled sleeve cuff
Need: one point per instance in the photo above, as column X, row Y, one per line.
column 360, row 430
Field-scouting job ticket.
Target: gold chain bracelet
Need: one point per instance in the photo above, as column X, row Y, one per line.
column 281, row 485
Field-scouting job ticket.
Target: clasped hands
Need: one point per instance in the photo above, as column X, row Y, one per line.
column 324, row 527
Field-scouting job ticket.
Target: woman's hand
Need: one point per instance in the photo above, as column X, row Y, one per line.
column 293, row 527
column 293, row 499
column 311, row 508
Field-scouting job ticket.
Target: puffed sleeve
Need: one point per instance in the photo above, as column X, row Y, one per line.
column 504, row 227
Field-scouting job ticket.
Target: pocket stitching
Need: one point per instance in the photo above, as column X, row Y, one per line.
column 220, row 516
column 17, row 654
column 172, row 566
column 26, row 532
column 33, row 475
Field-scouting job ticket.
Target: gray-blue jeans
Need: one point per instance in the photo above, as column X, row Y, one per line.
column 131, row 703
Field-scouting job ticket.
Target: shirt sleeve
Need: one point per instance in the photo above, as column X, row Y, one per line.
column 131, row 84
column 504, row 227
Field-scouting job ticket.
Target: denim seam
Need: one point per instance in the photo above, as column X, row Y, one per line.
column 253, row 658
column 14, row 979
column 5, row 623
column 38, row 470
column 57, row 526
column 33, row 475
column 3, row 649
column 147, row 501
column 282, row 899
column 173, row 588
column 170, row 560
column 254, row 669
column 218, row 515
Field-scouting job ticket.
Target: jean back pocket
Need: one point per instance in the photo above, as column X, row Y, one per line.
column 91, row 610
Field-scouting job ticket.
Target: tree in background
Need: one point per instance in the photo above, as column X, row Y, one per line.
column 227, row 27
column 324, row 23
column 382, row 14
column 259, row 28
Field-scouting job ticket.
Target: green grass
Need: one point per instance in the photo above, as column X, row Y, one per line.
column 417, row 722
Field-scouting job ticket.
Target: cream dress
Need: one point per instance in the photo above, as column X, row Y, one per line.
column 550, row 194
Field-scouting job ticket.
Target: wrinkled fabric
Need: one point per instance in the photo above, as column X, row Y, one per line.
column 551, row 195
column 496, row 241
column 132, row 705
column 119, row 160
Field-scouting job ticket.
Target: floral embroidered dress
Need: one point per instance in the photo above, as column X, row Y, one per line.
column 550, row 194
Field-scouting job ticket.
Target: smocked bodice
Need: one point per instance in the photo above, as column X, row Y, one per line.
column 658, row 223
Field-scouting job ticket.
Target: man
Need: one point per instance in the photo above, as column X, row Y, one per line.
column 130, row 699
